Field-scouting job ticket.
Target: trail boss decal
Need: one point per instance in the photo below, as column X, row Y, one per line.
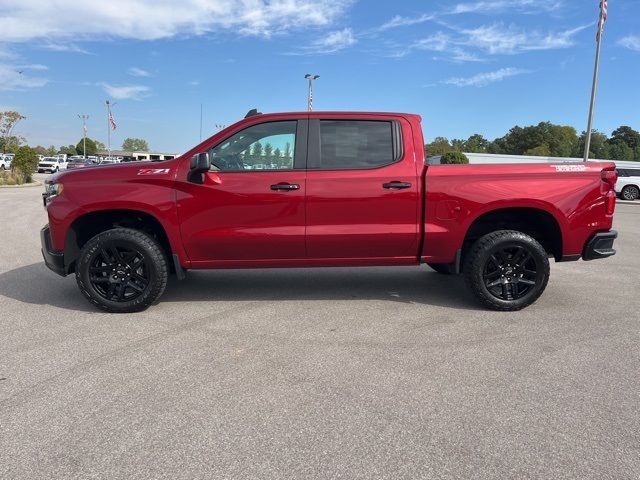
column 153, row 171
column 571, row 168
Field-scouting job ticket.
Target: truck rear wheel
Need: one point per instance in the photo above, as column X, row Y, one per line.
column 122, row 270
column 506, row 270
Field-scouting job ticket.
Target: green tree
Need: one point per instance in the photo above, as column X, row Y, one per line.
column 257, row 150
column 90, row 147
column 68, row 150
column 627, row 135
column 539, row 151
column 476, row 143
column 8, row 121
column 100, row 145
column 619, row 150
column 52, row 150
column 598, row 148
column 268, row 151
column 277, row 157
column 439, row 146
column 287, row 150
column 454, row 158
column 457, row 145
column 135, row 145
column 25, row 162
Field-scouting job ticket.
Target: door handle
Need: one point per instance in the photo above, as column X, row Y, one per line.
column 285, row 186
column 396, row 185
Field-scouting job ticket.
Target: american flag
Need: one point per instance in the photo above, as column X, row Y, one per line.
column 112, row 122
column 604, row 8
column 84, row 128
column 311, row 99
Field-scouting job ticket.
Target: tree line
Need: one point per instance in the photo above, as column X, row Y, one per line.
column 548, row 140
column 266, row 154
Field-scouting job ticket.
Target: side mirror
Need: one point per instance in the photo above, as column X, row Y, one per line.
column 200, row 163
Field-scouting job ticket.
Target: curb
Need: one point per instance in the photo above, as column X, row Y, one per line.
column 628, row 202
column 24, row 185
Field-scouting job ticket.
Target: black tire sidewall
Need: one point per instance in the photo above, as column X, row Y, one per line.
column 154, row 260
column 479, row 256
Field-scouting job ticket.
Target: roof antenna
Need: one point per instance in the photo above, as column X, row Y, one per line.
column 252, row 112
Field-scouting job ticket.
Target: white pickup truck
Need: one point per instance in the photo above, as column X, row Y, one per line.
column 52, row 164
column 5, row 161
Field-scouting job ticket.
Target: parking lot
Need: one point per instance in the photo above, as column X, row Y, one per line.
column 330, row 373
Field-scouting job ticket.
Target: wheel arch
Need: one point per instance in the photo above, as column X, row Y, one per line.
column 536, row 222
column 90, row 224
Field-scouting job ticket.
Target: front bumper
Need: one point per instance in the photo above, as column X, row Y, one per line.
column 53, row 259
column 600, row 246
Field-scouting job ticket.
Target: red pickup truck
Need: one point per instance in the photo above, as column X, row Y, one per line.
column 323, row 189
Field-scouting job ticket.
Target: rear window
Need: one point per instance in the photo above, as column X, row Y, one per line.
column 632, row 172
column 355, row 144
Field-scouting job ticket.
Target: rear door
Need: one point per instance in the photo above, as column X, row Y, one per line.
column 362, row 190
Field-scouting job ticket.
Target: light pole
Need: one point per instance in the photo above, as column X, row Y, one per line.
column 84, row 118
column 311, row 77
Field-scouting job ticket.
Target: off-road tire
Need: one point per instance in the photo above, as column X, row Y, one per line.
column 148, row 249
column 478, row 259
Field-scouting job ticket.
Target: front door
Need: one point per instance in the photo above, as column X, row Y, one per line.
column 250, row 208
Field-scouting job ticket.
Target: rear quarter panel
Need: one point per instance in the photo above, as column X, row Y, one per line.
column 456, row 195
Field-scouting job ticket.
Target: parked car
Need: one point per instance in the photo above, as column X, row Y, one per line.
column 75, row 163
column 356, row 192
column 628, row 185
column 5, row 162
column 52, row 165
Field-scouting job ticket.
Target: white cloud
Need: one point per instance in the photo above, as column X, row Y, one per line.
column 15, row 77
column 24, row 20
column 444, row 43
column 332, row 42
column 484, row 79
column 498, row 39
column 64, row 47
column 138, row 72
column 632, row 42
column 123, row 92
column 493, row 6
column 399, row 21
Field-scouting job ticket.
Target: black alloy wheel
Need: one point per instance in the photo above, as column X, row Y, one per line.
column 510, row 272
column 118, row 272
column 122, row 270
column 506, row 270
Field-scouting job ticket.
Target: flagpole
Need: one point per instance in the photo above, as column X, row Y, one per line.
column 594, row 86
column 108, row 130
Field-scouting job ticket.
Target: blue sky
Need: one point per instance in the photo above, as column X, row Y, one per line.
column 469, row 66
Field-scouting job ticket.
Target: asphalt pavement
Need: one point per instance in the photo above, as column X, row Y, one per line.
column 349, row 373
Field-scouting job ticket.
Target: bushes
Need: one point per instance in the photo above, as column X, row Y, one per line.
column 454, row 158
column 24, row 164
column 11, row 178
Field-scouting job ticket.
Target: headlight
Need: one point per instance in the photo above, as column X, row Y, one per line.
column 53, row 189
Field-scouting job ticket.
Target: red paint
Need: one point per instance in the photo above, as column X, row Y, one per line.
column 342, row 217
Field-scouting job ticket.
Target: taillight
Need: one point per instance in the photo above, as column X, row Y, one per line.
column 610, row 177
column 611, row 202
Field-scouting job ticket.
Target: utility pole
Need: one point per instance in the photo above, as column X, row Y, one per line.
column 84, row 118
column 604, row 7
column 311, row 78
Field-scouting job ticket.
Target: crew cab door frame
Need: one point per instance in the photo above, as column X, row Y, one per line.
column 369, row 216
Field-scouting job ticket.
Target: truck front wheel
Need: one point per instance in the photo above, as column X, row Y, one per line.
column 506, row 270
column 122, row 270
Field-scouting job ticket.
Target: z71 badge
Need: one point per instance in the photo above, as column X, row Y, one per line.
column 153, row 171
